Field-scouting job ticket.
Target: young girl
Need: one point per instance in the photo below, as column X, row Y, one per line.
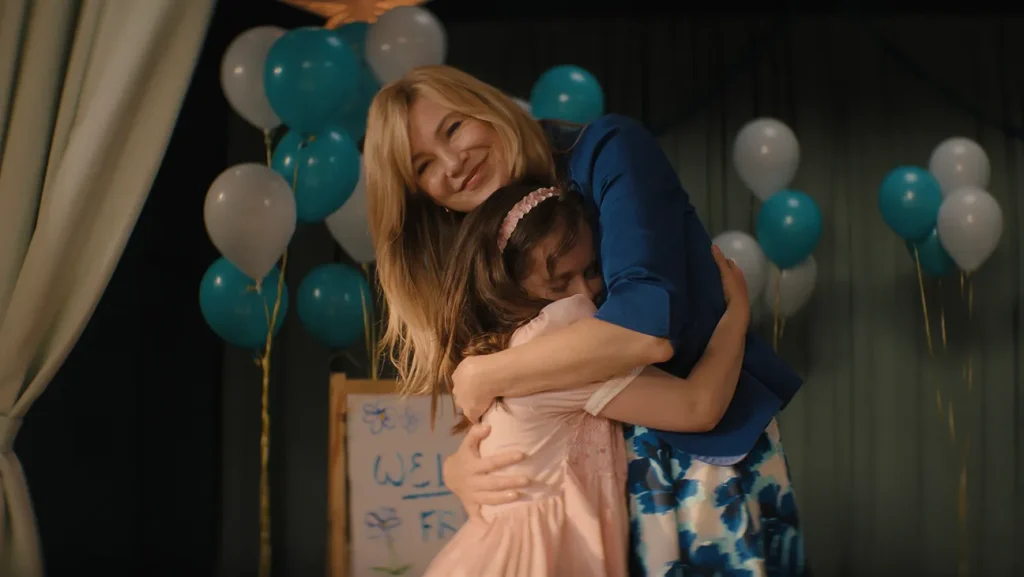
column 523, row 264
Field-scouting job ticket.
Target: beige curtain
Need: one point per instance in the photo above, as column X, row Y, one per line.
column 875, row 461
column 89, row 94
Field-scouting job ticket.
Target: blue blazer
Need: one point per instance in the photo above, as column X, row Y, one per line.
column 660, row 276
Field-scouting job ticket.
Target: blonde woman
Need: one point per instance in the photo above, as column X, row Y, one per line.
column 439, row 142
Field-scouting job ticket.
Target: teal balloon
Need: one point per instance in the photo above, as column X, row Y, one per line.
column 788, row 228
column 567, row 93
column 353, row 116
column 323, row 170
column 232, row 308
column 909, row 200
column 934, row 259
column 330, row 303
column 310, row 74
column 354, row 35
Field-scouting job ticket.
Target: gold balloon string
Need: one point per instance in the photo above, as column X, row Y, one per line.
column 942, row 316
column 942, row 325
column 970, row 315
column 969, row 369
column 265, row 544
column 369, row 330
column 963, row 565
column 265, row 547
column 924, row 303
column 776, row 325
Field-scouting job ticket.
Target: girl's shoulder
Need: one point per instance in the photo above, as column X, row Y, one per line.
column 556, row 315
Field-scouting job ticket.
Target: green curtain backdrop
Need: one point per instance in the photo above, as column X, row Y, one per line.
column 872, row 456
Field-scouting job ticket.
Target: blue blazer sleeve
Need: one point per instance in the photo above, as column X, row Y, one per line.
column 642, row 240
column 661, row 278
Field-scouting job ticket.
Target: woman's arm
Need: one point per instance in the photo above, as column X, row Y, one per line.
column 641, row 208
column 696, row 404
column 587, row 351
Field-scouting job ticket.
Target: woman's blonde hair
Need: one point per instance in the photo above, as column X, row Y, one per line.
column 412, row 236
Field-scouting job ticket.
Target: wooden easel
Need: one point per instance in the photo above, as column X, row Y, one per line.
column 337, row 476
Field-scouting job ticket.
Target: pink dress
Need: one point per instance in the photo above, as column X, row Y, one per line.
column 573, row 519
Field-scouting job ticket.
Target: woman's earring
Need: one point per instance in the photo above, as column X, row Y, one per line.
column 446, row 209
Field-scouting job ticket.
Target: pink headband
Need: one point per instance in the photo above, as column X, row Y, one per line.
column 528, row 203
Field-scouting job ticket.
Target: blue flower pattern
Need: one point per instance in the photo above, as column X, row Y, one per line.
column 378, row 417
column 382, row 521
column 692, row 519
column 410, row 420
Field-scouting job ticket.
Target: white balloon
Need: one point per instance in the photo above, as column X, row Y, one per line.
column 746, row 253
column 766, row 155
column 250, row 217
column 241, row 75
column 349, row 226
column 796, row 286
column 970, row 225
column 402, row 39
column 958, row 163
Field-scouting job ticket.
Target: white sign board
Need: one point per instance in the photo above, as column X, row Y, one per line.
column 400, row 511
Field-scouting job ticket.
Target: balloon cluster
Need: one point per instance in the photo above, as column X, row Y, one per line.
column 778, row 264
column 319, row 84
column 944, row 213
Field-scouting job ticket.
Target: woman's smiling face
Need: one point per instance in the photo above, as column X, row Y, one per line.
column 458, row 160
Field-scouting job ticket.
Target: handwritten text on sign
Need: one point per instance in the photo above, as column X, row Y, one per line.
column 402, row 513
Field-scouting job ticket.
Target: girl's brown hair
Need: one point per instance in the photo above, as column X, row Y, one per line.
column 484, row 302
column 412, row 236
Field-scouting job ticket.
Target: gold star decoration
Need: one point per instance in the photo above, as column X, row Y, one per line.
column 340, row 12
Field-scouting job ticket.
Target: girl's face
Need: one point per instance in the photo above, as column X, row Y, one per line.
column 576, row 272
column 458, row 160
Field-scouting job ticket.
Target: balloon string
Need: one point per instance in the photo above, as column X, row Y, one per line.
column 775, row 311
column 970, row 298
column 942, row 316
column 782, row 327
column 964, row 564
column 970, row 331
column 924, row 303
column 265, row 545
column 368, row 327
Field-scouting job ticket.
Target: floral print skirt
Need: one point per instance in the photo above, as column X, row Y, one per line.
column 689, row 518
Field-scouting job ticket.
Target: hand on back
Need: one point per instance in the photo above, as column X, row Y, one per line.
column 469, row 476
column 734, row 284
